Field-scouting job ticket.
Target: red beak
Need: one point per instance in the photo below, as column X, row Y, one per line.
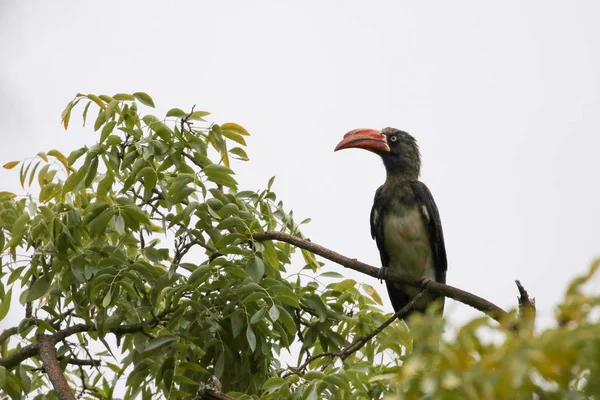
column 367, row 139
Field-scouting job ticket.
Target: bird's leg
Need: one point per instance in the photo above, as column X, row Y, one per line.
column 382, row 274
column 424, row 281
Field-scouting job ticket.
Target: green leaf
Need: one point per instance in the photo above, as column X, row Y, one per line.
column 233, row 127
column 216, row 168
column 38, row 289
column 144, row 98
column 150, row 179
column 107, row 130
column 98, row 225
column 274, row 313
column 287, row 321
column 240, row 153
column 331, row 274
column 66, row 115
column 232, row 222
column 337, row 380
column 74, row 179
column 344, row 285
column 258, row 315
column 159, row 341
column 236, row 137
column 273, row 384
column 91, row 173
column 137, row 214
column 97, row 100
column 251, row 337
column 270, row 254
column 85, row 111
column 317, row 304
column 59, row 156
column 5, row 304
column 237, row 322
column 220, row 365
column 256, row 269
column 161, row 129
column 75, row 154
column 370, row 290
column 105, row 185
column 197, row 115
column 111, row 108
column 182, row 379
column 312, row 375
column 310, row 259
column 113, row 140
column 107, row 298
column 124, row 96
column 20, row 225
column 118, row 224
column 100, row 120
column 176, row 112
column 219, row 174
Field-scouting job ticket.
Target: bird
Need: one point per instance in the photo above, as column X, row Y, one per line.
column 405, row 221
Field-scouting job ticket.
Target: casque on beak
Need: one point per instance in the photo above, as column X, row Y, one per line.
column 367, row 139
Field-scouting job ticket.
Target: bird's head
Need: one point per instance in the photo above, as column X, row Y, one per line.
column 398, row 149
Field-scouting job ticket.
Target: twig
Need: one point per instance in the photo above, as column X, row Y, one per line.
column 457, row 294
column 83, row 363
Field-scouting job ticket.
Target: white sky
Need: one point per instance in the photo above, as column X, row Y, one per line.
column 503, row 99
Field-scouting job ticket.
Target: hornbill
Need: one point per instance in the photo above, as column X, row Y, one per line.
column 405, row 222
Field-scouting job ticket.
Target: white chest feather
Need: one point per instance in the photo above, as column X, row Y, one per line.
column 407, row 243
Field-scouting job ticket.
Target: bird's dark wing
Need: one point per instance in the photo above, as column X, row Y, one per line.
column 431, row 217
column 377, row 212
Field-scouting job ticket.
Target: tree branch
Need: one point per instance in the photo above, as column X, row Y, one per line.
column 33, row 349
column 457, row 294
column 45, row 345
column 79, row 362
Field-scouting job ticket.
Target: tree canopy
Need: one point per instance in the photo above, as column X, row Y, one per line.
column 145, row 270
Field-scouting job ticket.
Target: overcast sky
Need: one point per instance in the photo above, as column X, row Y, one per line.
column 503, row 100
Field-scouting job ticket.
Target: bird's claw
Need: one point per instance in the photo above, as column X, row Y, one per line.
column 381, row 275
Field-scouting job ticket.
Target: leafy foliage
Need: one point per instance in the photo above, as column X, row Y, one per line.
column 141, row 247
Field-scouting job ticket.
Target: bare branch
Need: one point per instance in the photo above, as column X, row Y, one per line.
column 52, row 368
column 457, row 294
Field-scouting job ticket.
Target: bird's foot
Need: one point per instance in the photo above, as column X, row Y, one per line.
column 381, row 275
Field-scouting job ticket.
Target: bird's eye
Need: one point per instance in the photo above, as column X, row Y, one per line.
column 393, row 138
